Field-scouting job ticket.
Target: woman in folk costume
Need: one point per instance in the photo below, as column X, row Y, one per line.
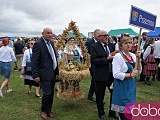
column 72, row 49
column 134, row 45
column 124, row 85
column 149, row 60
column 27, row 74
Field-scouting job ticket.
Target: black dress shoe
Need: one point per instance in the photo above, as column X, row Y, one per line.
column 146, row 82
column 92, row 99
column 116, row 117
column 140, row 80
column 15, row 69
column 103, row 117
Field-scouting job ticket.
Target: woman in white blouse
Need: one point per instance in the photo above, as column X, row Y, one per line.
column 27, row 74
column 124, row 85
column 6, row 57
column 150, row 66
column 72, row 49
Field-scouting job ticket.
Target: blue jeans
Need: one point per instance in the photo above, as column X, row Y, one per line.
column 5, row 69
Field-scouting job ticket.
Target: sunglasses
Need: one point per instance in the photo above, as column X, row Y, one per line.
column 105, row 35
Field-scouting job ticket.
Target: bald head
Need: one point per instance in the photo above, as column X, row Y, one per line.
column 102, row 32
column 46, row 29
column 47, row 33
column 103, row 36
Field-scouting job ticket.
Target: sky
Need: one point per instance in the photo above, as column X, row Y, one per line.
column 26, row 18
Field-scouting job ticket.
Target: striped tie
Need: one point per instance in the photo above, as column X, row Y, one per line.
column 51, row 51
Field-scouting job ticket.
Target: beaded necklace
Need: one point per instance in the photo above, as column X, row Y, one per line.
column 127, row 59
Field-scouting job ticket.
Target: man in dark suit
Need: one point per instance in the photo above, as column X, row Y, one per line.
column 45, row 69
column 92, row 85
column 142, row 49
column 101, row 58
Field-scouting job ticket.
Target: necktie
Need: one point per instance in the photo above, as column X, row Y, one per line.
column 106, row 48
column 51, row 51
column 107, row 52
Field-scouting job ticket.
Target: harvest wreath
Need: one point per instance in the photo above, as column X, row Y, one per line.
column 71, row 74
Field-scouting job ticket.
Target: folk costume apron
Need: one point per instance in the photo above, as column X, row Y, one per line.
column 124, row 91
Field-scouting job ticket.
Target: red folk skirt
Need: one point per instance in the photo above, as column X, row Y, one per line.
column 150, row 66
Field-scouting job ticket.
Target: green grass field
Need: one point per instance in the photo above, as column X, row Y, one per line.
column 18, row 105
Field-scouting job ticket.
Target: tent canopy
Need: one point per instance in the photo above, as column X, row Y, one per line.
column 155, row 33
column 117, row 32
column 71, row 34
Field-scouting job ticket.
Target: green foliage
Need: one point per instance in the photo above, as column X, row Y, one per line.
column 18, row 105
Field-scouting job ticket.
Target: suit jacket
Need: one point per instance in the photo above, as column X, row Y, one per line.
column 89, row 43
column 99, row 60
column 42, row 63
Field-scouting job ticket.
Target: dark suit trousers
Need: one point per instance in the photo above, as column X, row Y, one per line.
column 142, row 76
column 48, row 93
column 100, row 92
column 92, row 85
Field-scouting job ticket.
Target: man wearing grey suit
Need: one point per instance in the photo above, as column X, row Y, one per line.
column 44, row 70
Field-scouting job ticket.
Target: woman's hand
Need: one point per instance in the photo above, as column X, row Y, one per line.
column 135, row 73
column 22, row 71
column 138, row 54
column 37, row 79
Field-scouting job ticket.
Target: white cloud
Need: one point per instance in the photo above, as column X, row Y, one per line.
column 29, row 17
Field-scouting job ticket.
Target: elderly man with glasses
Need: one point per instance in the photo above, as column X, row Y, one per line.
column 101, row 58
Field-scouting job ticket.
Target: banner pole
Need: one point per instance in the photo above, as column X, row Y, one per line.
column 138, row 48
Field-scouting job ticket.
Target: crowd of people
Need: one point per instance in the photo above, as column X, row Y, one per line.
column 113, row 66
column 123, row 70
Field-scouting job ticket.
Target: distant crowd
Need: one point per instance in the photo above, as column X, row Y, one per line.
column 113, row 65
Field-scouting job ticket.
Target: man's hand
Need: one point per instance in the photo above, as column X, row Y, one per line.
column 110, row 57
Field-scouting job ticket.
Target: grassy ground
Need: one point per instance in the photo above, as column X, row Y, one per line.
column 18, row 105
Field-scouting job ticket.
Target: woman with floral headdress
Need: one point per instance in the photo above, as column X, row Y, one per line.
column 124, row 73
column 71, row 49
column 134, row 45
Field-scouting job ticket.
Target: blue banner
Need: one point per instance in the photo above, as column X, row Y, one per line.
column 142, row 19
